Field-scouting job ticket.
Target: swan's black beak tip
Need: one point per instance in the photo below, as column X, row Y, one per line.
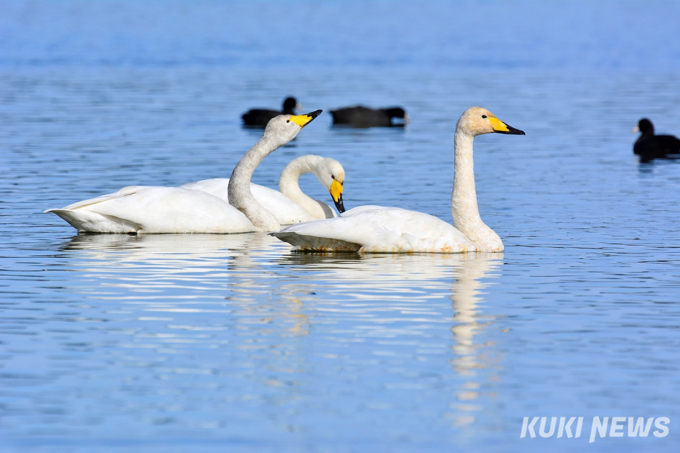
column 305, row 118
column 314, row 114
column 512, row 131
column 339, row 205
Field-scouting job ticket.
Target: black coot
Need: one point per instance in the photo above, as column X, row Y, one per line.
column 260, row 117
column 361, row 116
column 649, row 146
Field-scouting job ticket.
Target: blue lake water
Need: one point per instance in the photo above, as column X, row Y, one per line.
column 234, row 343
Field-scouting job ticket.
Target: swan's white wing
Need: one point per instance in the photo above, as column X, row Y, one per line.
column 217, row 187
column 121, row 193
column 285, row 210
column 379, row 230
column 198, row 207
column 360, row 209
column 155, row 210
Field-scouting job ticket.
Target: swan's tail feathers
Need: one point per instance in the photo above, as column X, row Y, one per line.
column 306, row 243
column 92, row 222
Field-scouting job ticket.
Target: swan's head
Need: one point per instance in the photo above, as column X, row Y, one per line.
column 477, row 121
column 332, row 176
column 645, row 126
column 284, row 128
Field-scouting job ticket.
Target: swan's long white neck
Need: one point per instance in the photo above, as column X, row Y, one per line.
column 240, row 195
column 464, row 207
column 290, row 187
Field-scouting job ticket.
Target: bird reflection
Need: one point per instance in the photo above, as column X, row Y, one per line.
column 167, row 262
column 470, row 273
column 148, row 245
column 471, row 356
column 272, row 301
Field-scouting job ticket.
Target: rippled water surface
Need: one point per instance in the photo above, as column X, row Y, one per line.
column 234, row 343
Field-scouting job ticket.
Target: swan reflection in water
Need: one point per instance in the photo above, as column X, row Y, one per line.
column 194, row 245
column 251, row 283
column 167, row 269
column 470, row 356
column 399, row 276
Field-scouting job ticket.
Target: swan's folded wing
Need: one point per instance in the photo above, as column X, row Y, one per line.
column 156, row 210
column 361, row 209
column 92, row 201
column 217, row 187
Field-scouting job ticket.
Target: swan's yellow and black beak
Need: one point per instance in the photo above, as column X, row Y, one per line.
column 305, row 119
column 336, row 194
column 502, row 128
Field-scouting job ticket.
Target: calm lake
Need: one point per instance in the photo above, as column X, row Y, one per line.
column 178, row 343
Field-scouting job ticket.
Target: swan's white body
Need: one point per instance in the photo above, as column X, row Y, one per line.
column 150, row 209
column 378, row 230
column 203, row 206
column 392, row 230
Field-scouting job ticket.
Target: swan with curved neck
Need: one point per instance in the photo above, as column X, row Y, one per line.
column 329, row 172
column 394, row 230
column 144, row 209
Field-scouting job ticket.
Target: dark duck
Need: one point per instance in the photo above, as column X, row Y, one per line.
column 360, row 116
column 650, row 146
column 260, row 117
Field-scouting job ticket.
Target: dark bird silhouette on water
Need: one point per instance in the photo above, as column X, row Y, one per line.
column 360, row 116
column 650, row 146
column 260, row 117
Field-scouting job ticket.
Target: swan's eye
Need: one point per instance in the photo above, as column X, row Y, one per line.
column 483, row 116
column 287, row 121
column 333, row 176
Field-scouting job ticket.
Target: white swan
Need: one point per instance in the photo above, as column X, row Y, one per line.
column 394, row 230
column 148, row 209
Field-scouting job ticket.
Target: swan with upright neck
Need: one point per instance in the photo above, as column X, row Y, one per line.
column 394, row 230
column 144, row 209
